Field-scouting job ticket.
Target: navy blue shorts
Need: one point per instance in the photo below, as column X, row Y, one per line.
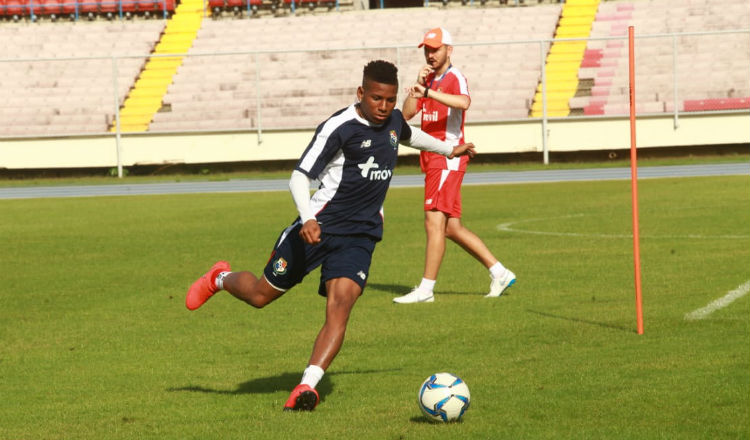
column 341, row 256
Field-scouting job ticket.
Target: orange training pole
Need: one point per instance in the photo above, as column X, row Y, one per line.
column 634, row 185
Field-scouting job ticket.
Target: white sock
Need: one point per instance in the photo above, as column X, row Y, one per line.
column 426, row 284
column 497, row 270
column 312, row 375
column 219, row 281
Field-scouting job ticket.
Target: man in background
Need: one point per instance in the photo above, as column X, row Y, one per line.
column 441, row 94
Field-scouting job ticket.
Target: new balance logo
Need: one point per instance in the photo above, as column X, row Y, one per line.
column 370, row 172
column 366, row 143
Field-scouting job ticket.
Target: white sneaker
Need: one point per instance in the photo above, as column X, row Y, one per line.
column 415, row 296
column 498, row 286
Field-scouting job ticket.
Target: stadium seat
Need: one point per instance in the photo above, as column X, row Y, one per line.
column 46, row 7
column 165, row 5
column 16, row 8
column 69, row 7
column 128, row 6
column 88, row 8
column 146, row 6
column 696, row 105
column 108, row 7
column 235, row 6
column 216, row 6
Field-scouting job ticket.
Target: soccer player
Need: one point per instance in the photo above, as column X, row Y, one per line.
column 441, row 93
column 352, row 154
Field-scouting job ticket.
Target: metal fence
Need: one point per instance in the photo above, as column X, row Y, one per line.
column 257, row 90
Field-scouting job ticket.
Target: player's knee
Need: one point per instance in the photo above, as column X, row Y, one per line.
column 258, row 303
column 453, row 231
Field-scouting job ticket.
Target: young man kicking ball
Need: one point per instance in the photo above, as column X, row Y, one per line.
column 352, row 154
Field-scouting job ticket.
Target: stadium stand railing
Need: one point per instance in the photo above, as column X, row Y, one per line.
column 71, row 78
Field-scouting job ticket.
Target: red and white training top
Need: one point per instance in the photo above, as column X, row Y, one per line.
column 443, row 122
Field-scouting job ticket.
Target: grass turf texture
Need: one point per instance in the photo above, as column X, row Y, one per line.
column 97, row 343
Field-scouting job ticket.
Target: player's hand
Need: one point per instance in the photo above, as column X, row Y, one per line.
column 423, row 72
column 310, row 232
column 463, row 150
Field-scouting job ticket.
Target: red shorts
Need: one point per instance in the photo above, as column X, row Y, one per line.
column 442, row 191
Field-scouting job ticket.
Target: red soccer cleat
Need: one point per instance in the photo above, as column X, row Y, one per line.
column 204, row 288
column 303, row 398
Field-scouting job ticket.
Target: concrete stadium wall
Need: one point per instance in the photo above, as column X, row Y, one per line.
column 563, row 135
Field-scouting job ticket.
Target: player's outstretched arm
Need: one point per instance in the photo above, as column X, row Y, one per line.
column 423, row 141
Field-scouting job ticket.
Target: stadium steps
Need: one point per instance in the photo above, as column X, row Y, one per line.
column 565, row 57
column 145, row 98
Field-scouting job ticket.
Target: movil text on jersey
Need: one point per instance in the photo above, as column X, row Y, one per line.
column 370, row 170
column 430, row 117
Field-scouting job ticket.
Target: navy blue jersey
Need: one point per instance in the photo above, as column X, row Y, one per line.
column 354, row 161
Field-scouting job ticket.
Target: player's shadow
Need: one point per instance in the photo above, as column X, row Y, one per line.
column 273, row 384
column 263, row 385
column 584, row 321
column 398, row 289
column 389, row 288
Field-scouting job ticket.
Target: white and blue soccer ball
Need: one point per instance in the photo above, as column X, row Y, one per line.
column 444, row 397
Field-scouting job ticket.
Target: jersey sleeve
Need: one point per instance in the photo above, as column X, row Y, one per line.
column 405, row 130
column 321, row 151
column 456, row 84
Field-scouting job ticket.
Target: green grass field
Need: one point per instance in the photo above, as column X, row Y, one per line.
column 96, row 343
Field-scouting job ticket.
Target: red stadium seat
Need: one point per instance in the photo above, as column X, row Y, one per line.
column 49, row 7
column 146, row 5
column 594, row 109
column 108, row 6
column 69, row 6
column 161, row 5
column 3, row 7
column 216, row 5
column 592, row 58
column 128, row 5
column 235, row 5
column 699, row 105
column 31, row 8
column 299, row 3
column 87, row 7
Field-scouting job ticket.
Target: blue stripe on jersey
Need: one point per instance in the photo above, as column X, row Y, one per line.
column 354, row 161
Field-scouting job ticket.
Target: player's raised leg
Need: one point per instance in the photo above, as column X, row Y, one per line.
column 242, row 285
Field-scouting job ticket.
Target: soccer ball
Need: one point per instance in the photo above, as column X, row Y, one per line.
column 443, row 397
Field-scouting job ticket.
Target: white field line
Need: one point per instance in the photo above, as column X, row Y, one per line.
column 510, row 227
column 720, row 303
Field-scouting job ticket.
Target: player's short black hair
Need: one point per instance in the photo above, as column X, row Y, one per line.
column 380, row 71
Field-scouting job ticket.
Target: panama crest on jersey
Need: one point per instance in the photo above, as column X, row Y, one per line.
column 279, row 266
column 394, row 138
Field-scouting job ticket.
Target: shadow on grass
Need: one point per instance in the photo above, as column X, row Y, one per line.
column 584, row 321
column 425, row 421
column 398, row 289
column 273, row 384
column 389, row 288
